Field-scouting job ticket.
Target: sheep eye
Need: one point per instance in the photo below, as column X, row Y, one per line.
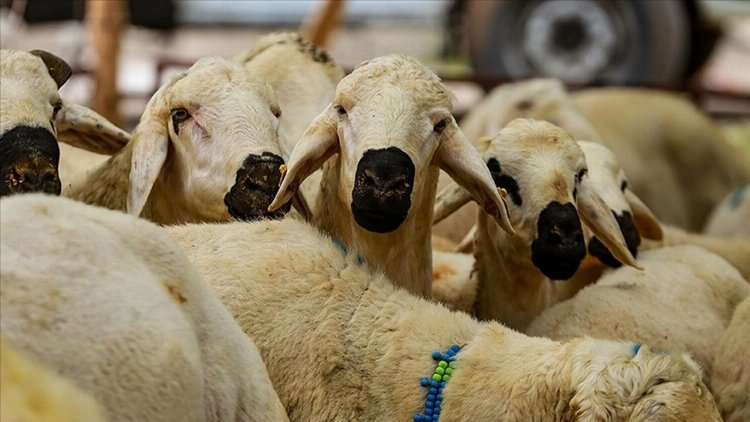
column 580, row 174
column 276, row 113
column 624, row 185
column 340, row 110
column 56, row 109
column 439, row 126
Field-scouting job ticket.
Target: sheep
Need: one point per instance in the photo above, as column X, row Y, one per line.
column 388, row 131
column 207, row 148
column 304, row 87
column 342, row 342
column 515, row 272
column 31, row 392
column 657, row 137
column 684, row 300
column 609, row 181
column 111, row 303
column 730, row 218
column 731, row 376
column 34, row 118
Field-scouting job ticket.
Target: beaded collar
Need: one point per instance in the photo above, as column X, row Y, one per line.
column 436, row 384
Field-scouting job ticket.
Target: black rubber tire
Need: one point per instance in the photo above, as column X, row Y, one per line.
column 652, row 41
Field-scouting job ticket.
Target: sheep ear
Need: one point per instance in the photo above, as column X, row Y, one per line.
column 646, row 222
column 58, row 68
column 82, row 127
column 150, row 147
column 598, row 217
column 457, row 157
column 317, row 144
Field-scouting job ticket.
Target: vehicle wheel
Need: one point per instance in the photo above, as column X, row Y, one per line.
column 581, row 41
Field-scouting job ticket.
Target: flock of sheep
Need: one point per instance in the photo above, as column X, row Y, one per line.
column 262, row 248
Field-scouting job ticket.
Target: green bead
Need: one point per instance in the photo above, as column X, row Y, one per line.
column 446, row 378
column 449, row 371
column 452, row 365
column 439, row 370
column 437, row 377
column 442, row 364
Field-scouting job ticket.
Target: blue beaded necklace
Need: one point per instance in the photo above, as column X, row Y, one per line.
column 435, row 385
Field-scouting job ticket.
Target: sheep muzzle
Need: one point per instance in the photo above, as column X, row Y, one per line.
column 29, row 157
column 559, row 247
column 255, row 187
column 383, row 183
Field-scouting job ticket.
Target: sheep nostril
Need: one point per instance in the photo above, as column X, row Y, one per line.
column 30, row 178
column 369, row 179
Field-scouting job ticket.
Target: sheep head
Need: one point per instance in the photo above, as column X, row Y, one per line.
column 210, row 137
column 391, row 124
column 544, row 173
column 34, row 117
column 635, row 219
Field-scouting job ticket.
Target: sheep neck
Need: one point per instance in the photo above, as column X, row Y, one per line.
column 510, row 289
column 404, row 255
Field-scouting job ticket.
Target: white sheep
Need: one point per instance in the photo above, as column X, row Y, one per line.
column 732, row 216
column 387, row 133
column 32, row 392
column 111, row 303
column 609, row 181
column 657, row 136
column 683, row 300
column 34, row 118
column 207, row 148
column 341, row 342
column 304, row 79
column 548, row 201
column 731, row 377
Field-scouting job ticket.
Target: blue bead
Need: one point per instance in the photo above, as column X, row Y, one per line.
column 436, row 355
column 418, row 418
column 424, row 382
column 427, row 418
column 429, row 404
column 431, row 397
column 442, row 383
column 434, row 383
column 450, row 353
column 447, row 357
column 438, row 403
column 428, row 412
column 455, row 348
column 433, row 390
column 439, row 396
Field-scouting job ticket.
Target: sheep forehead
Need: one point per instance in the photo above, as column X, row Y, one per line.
column 525, row 141
column 402, row 72
column 27, row 90
column 217, row 80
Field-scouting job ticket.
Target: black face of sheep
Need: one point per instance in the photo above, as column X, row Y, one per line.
column 632, row 239
column 381, row 196
column 559, row 247
column 29, row 157
column 255, row 187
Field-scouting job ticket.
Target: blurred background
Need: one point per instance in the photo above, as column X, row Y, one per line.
column 121, row 51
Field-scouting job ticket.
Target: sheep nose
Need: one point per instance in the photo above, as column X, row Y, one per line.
column 559, row 247
column 255, row 187
column 383, row 183
column 28, row 161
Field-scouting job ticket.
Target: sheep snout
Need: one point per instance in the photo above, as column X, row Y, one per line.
column 29, row 161
column 559, row 247
column 255, row 187
column 383, row 183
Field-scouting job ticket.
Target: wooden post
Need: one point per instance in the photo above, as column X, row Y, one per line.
column 105, row 20
column 320, row 24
